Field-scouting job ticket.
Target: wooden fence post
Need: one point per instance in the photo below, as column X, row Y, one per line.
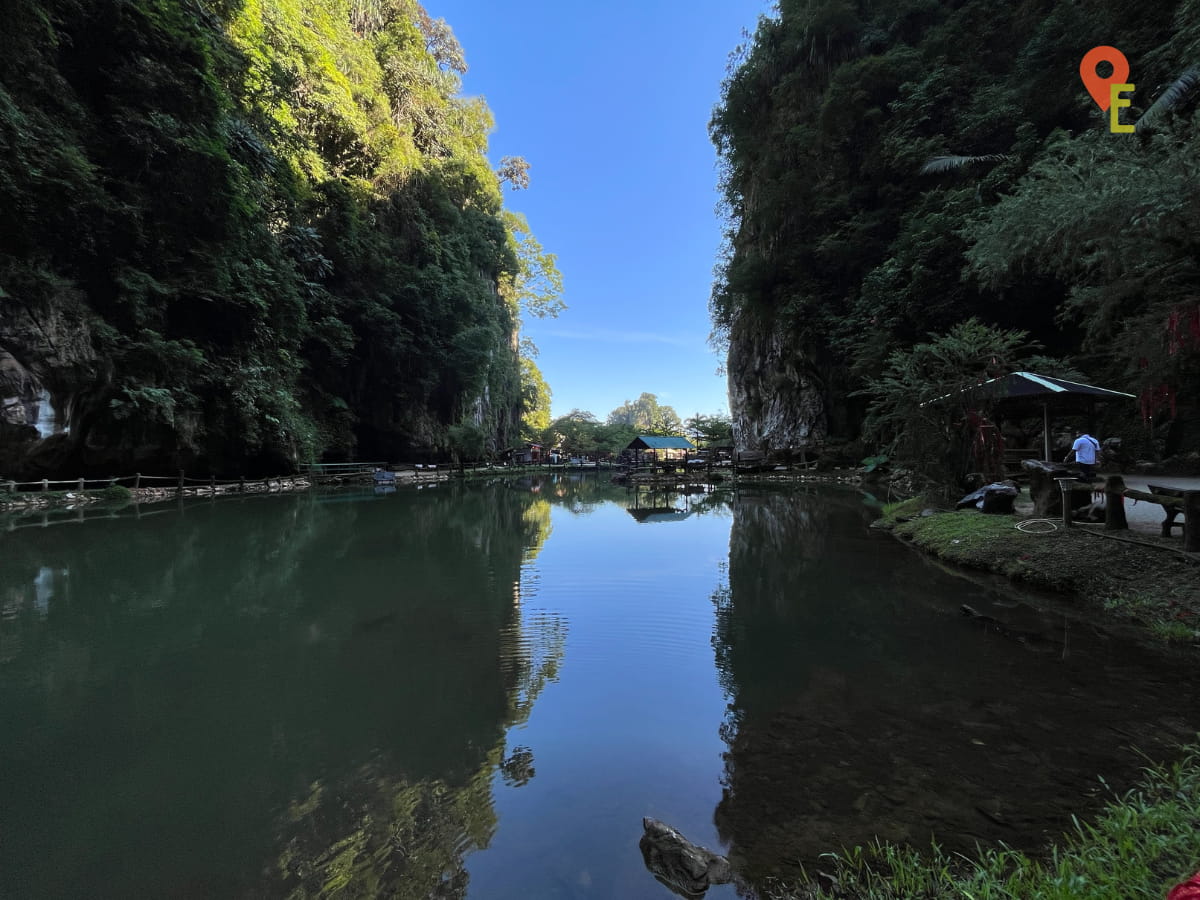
column 242, row 484
column 137, row 481
column 81, row 484
column 1114, row 506
column 179, row 490
column 111, row 482
column 1191, row 521
column 45, row 484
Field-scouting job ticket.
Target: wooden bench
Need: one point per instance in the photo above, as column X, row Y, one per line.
column 1172, row 500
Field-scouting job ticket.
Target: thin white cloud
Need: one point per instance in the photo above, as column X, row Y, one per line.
column 613, row 336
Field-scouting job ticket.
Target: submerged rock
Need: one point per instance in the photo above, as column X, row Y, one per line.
column 682, row 866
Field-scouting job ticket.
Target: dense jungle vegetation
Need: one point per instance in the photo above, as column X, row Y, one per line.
column 247, row 233
column 922, row 193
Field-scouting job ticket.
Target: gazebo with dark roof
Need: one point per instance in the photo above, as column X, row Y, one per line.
column 1027, row 393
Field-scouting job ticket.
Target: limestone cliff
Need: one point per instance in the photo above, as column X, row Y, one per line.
column 48, row 370
column 776, row 397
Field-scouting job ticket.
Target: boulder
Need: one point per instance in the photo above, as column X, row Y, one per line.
column 1044, row 489
column 685, row 868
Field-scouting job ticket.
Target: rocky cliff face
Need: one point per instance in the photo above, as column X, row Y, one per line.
column 47, row 365
column 776, row 398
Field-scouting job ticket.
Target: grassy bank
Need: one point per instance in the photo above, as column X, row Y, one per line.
column 1142, row 844
column 1130, row 582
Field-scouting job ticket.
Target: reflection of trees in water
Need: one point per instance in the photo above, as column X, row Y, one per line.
column 405, row 837
column 391, row 838
column 862, row 704
column 356, row 664
column 536, row 519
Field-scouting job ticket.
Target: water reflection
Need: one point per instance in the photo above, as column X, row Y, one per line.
column 864, row 705
column 315, row 693
column 347, row 693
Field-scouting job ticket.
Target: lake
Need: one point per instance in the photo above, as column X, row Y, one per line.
column 478, row 689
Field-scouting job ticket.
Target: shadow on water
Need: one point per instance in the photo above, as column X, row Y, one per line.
column 863, row 704
column 261, row 698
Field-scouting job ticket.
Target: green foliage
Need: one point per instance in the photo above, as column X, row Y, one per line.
column 920, row 405
column 1117, row 224
column 467, row 441
column 573, row 433
column 871, row 463
column 535, row 285
column 709, row 431
column 872, row 154
column 535, row 401
column 115, row 493
column 277, row 218
column 580, row 431
column 646, row 416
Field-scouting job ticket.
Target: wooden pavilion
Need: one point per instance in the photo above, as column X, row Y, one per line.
column 660, row 447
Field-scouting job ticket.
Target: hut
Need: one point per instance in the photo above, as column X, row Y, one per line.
column 526, row 454
column 660, row 447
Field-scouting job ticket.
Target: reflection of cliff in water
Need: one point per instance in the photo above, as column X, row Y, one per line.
column 863, row 704
column 318, row 694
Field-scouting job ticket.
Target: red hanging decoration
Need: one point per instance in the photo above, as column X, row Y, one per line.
column 1183, row 328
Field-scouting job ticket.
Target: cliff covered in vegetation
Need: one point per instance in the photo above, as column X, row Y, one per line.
column 243, row 234
column 894, row 169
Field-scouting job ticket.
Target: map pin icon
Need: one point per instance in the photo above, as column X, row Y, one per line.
column 1097, row 86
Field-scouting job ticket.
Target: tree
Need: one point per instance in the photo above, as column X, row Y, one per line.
column 646, row 415
column 441, row 43
column 573, row 433
column 918, row 411
column 466, row 441
column 710, row 431
column 535, row 401
column 514, row 170
column 535, row 286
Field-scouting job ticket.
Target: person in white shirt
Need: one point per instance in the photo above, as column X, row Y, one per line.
column 1086, row 448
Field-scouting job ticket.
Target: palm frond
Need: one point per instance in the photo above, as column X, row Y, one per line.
column 936, row 164
column 1172, row 98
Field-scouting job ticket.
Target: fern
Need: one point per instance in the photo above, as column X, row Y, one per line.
column 937, row 164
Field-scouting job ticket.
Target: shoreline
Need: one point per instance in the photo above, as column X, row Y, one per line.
column 35, row 500
column 1148, row 584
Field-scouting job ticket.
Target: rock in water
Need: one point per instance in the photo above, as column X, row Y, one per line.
column 678, row 863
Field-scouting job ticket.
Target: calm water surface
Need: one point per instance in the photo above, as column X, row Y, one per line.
column 478, row 690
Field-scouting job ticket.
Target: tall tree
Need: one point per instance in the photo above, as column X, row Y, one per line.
column 535, row 401
column 646, row 414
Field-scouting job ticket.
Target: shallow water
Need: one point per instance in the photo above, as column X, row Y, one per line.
column 478, row 690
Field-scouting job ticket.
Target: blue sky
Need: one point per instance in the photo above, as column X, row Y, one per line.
column 609, row 103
